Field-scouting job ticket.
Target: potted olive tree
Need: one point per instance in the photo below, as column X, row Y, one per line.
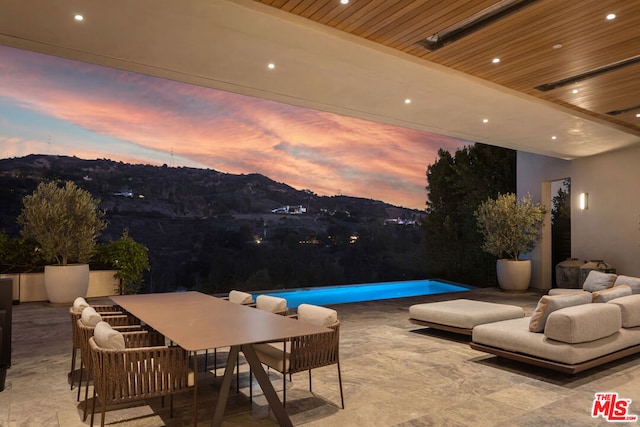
column 65, row 222
column 511, row 228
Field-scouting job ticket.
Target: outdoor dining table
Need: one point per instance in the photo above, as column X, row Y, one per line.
column 198, row 322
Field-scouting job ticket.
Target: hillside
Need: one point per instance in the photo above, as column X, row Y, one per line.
column 210, row 230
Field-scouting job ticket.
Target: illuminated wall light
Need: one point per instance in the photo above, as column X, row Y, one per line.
column 583, row 201
column 638, row 115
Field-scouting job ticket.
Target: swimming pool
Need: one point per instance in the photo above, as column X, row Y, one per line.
column 326, row 295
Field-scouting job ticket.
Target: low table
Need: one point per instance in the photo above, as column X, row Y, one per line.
column 461, row 315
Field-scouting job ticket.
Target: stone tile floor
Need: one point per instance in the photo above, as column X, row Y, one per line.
column 394, row 374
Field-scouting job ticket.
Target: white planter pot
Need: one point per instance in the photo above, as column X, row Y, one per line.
column 64, row 283
column 513, row 275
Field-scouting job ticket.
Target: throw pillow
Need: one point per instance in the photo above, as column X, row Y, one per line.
column 90, row 317
column 271, row 304
column 633, row 282
column 107, row 337
column 597, row 281
column 79, row 304
column 239, row 297
column 550, row 303
column 607, row 295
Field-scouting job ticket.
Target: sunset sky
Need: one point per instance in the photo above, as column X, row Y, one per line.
column 50, row 105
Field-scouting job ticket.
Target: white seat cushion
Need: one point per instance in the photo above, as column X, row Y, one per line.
column 107, row 337
column 317, row 315
column 271, row 304
column 239, row 297
column 90, row 317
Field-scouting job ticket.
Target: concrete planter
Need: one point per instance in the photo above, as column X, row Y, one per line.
column 514, row 276
column 64, row 283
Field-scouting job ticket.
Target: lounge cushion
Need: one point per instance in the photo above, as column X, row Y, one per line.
column 550, row 303
column 463, row 313
column 107, row 337
column 597, row 281
column 239, row 297
column 630, row 310
column 633, row 282
column 79, row 304
column 90, row 317
column 271, row 354
column 583, row 323
column 565, row 291
column 271, row 304
column 317, row 315
column 607, row 295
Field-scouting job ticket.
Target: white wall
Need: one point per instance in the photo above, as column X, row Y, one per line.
column 610, row 228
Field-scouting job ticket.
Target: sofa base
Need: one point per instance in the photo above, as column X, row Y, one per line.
column 557, row 366
column 448, row 328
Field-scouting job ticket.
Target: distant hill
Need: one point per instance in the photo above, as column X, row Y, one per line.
column 188, row 216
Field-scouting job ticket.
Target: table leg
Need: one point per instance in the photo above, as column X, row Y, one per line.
column 225, row 386
column 267, row 388
column 195, row 389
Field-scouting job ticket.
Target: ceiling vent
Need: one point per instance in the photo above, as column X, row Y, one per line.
column 474, row 23
column 623, row 111
column 589, row 74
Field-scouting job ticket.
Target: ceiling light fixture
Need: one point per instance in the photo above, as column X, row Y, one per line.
column 575, row 91
column 407, row 101
column 611, row 16
column 474, row 23
column 554, row 137
column 638, row 115
column 271, row 66
column 495, row 60
column 344, row 1
column 78, row 17
column 557, row 46
column 485, row 120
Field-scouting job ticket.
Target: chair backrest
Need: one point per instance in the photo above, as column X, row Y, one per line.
column 317, row 315
column 239, row 297
column 272, row 304
column 317, row 350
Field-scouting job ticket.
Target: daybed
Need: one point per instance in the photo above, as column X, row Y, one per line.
column 570, row 332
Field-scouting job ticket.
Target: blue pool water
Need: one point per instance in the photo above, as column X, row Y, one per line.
column 326, row 295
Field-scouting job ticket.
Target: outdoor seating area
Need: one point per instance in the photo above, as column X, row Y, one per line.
column 393, row 373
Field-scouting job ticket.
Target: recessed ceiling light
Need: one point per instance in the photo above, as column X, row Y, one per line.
column 611, row 16
column 495, row 60
column 485, row 120
column 344, row 1
column 557, row 46
column 407, row 101
column 271, row 65
column 638, row 115
column 554, row 137
column 575, row 91
column 78, row 17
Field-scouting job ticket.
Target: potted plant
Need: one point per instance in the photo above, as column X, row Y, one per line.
column 129, row 258
column 510, row 228
column 65, row 222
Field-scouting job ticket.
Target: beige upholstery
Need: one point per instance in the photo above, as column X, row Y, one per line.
column 317, row 315
column 272, row 304
column 79, row 304
column 630, row 310
column 239, row 297
column 90, row 317
column 583, row 323
column 464, row 313
column 107, row 337
column 607, row 295
column 548, row 304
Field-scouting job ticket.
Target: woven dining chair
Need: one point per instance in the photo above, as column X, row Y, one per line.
column 127, row 370
column 307, row 352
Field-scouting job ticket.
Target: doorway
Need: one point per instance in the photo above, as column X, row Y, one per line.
column 560, row 224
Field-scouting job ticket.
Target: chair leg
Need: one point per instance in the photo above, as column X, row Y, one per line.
column 238, row 375
column 206, row 360
column 170, row 405
column 73, row 365
column 80, row 379
column 250, row 385
column 86, row 392
column 215, row 361
column 340, row 381
column 310, row 381
column 284, row 389
column 93, row 407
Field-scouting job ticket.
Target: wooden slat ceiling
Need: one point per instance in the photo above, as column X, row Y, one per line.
column 524, row 41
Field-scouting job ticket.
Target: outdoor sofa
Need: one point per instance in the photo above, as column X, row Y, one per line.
column 572, row 331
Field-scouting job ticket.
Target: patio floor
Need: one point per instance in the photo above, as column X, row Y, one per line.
column 394, row 374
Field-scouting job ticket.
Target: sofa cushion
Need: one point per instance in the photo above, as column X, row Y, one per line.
column 633, row 282
column 597, row 281
column 90, row 317
column 607, row 295
column 107, row 337
column 630, row 310
column 583, row 323
column 79, row 304
column 550, row 303
column 317, row 315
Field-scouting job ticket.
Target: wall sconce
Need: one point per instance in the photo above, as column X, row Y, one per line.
column 583, row 201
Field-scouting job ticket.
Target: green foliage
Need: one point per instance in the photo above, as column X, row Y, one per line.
column 510, row 226
column 65, row 221
column 457, row 184
column 18, row 255
column 130, row 258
